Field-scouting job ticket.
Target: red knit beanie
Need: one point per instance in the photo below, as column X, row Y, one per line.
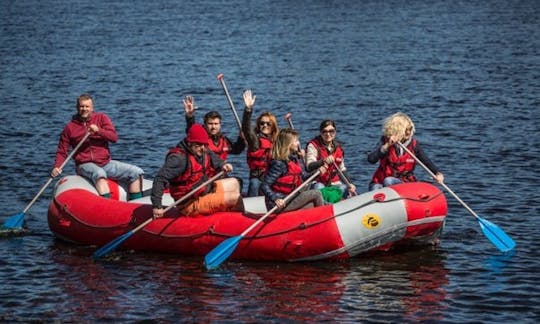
column 197, row 134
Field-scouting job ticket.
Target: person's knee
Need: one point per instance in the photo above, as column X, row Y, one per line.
column 230, row 185
column 375, row 186
column 389, row 181
column 100, row 177
column 136, row 174
column 317, row 186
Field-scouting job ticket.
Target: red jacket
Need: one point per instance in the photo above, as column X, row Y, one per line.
column 331, row 175
column 221, row 149
column 96, row 147
column 259, row 160
column 292, row 179
column 193, row 176
column 392, row 165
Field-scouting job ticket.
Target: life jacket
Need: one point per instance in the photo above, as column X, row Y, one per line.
column 332, row 174
column 289, row 181
column 194, row 175
column 221, row 149
column 392, row 165
column 258, row 160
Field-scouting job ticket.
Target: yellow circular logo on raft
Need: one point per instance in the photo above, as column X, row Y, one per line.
column 371, row 221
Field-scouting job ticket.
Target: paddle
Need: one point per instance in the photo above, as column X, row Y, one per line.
column 494, row 233
column 117, row 241
column 221, row 252
column 342, row 176
column 16, row 221
column 231, row 104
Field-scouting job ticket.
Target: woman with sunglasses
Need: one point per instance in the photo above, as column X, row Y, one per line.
column 259, row 141
column 285, row 173
column 396, row 165
column 325, row 151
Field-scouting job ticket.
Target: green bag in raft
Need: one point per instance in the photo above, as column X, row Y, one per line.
column 331, row 194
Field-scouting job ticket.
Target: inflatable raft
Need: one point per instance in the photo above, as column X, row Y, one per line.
column 376, row 220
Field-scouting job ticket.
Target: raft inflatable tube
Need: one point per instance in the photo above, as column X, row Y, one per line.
column 376, row 220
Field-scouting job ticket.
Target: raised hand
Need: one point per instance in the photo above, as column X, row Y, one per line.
column 249, row 99
column 189, row 105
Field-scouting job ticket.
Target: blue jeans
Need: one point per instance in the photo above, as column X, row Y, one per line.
column 120, row 171
column 253, row 189
column 388, row 181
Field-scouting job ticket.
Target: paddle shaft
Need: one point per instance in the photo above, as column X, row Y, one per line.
column 192, row 192
column 289, row 120
column 286, row 199
column 231, row 104
column 75, row 149
column 442, row 183
column 119, row 240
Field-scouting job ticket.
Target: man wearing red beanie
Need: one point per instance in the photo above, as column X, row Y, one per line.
column 189, row 164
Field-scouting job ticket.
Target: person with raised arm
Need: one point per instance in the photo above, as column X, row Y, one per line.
column 260, row 139
column 217, row 141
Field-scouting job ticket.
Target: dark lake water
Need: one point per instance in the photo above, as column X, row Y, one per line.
column 467, row 72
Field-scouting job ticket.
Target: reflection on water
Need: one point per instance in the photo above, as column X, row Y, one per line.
column 165, row 287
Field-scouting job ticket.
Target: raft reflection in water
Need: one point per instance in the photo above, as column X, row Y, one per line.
column 402, row 286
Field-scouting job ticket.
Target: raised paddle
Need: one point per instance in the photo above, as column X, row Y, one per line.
column 117, row 241
column 493, row 232
column 17, row 221
column 289, row 120
column 221, row 252
column 231, row 104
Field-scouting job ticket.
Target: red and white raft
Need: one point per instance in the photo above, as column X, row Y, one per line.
column 376, row 220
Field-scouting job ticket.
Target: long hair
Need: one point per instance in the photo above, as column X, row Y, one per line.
column 273, row 120
column 397, row 124
column 281, row 147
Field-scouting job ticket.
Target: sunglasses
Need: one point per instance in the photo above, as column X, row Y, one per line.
column 197, row 145
column 328, row 131
column 263, row 123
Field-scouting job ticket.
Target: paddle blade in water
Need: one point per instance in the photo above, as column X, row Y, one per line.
column 221, row 252
column 496, row 235
column 112, row 245
column 15, row 221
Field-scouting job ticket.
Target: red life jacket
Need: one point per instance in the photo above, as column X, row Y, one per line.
column 392, row 165
column 289, row 181
column 221, row 149
column 332, row 174
column 194, row 175
column 259, row 160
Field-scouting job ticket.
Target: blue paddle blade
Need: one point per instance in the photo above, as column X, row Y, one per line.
column 496, row 235
column 221, row 252
column 15, row 221
column 112, row 245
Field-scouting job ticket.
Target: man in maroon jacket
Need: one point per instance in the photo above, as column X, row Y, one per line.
column 93, row 159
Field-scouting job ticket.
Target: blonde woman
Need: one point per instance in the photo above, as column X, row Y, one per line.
column 396, row 165
column 285, row 173
column 260, row 139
